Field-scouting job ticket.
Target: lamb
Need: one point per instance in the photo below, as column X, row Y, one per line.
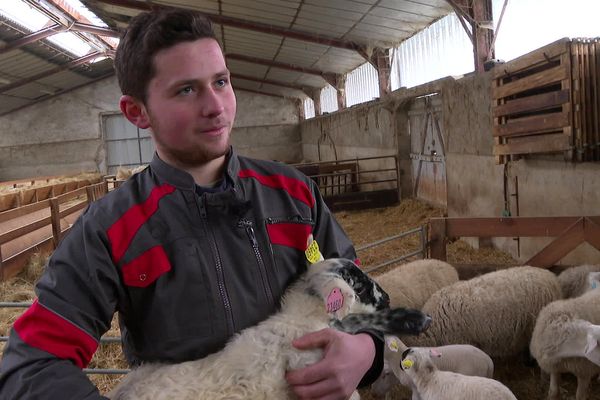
column 411, row 284
column 434, row 384
column 565, row 339
column 494, row 312
column 460, row 358
column 253, row 364
column 573, row 281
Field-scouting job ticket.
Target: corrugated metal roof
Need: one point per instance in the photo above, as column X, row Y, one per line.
column 296, row 43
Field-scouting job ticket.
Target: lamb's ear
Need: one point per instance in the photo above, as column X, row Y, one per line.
column 337, row 295
column 594, row 280
column 592, row 349
column 433, row 353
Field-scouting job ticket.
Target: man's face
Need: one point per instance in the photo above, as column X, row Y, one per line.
column 190, row 103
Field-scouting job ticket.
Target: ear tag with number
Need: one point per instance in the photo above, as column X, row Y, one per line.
column 335, row 300
column 313, row 254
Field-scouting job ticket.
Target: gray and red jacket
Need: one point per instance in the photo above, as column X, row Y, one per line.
column 185, row 272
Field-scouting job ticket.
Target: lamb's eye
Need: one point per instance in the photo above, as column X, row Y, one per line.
column 361, row 291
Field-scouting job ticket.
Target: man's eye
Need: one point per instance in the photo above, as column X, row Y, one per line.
column 186, row 90
column 221, row 82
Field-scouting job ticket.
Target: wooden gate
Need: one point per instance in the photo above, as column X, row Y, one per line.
column 428, row 151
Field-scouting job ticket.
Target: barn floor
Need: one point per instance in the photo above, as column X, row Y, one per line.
column 363, row 227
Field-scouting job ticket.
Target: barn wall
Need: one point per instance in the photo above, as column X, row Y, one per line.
column 63, row 135
column 547, row 185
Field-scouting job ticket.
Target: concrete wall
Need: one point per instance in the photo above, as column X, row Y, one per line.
column 547, row 185
column 63, row 135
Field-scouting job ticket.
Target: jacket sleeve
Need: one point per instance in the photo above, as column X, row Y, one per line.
column 333, row 241
column 57, row 336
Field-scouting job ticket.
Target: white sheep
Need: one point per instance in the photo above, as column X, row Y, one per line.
column 460, row 358
column 565, row 339
column 411, row 284
column 253, row 364
column 494, row 312
column 434, row 384
column 574, row 281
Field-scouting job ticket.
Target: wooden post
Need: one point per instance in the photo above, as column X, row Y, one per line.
column 89, row 190
column 55, row 218
column 437, row 238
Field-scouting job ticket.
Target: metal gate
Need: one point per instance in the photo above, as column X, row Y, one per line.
column 428, row 150
column 126, row 144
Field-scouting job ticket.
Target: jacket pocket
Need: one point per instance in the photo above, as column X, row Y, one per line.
column 146, row 268
column 289, row 232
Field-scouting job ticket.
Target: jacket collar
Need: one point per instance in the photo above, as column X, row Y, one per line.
column 182, row 180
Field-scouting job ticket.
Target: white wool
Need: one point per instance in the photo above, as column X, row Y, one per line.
column 434, row 384
column 411, row 284
column 563, row 341
column 254, row 362
column 495, row 312
column 460, row 358
column 574, row 281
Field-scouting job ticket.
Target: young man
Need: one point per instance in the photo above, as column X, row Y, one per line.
column 198, row 246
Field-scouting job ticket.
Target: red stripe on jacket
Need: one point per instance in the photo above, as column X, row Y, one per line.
column 286, row 234
column 146, row 268
column 295, row 187
column 47, row 331
column 121, row 233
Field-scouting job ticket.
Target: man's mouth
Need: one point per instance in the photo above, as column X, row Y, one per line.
column 214, row 131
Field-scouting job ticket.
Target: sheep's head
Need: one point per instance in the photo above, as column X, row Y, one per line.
column 323, row 276
column 417, row 360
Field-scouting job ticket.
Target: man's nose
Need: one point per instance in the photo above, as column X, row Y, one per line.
column 211, row 103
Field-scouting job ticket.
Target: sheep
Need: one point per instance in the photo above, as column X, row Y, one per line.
column 565, row 339
column 573, row 281
column 460, row 358
column 411, row 284
column 494, row 312
column 253, row 364
column 434, row 384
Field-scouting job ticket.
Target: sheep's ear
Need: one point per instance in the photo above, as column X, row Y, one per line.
column 592, row 349
column 392, row 343
column 434, row 353
column 594, row 280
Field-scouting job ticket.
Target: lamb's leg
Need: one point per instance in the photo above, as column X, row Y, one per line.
column 583, row 384
column 398, row 321
column 553, row 390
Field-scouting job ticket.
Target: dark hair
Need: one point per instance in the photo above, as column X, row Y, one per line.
column 147, row 34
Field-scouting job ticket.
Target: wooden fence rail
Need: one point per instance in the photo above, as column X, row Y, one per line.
column 569, row 232
column 47, row 222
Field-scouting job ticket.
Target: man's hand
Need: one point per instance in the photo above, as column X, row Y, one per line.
column 346, row 358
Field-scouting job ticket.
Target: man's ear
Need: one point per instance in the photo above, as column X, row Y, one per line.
column 135, row 111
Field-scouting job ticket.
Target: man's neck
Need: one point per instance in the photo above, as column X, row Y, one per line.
column 203, row 174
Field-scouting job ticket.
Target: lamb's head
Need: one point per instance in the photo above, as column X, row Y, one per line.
column 335, row 277
column 417, row 361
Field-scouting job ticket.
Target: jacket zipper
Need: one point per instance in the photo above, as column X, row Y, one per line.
column 219, row 269
column 247, row 224
column 295, row 219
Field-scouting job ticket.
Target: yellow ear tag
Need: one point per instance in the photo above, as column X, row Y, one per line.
column 393, row 346
column 313, row 254
column 406, row 364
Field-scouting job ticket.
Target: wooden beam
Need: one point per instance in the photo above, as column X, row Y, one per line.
column 270, row 63
column 249, row 25
column 32, row 37
column 534, row 124
column 482, row 37
column 592, row 232
column 560, row 247
column 44, row 74
column 510, row 226
column 532, row 103
column 548, row 143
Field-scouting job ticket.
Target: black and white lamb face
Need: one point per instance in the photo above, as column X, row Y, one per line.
column 367, row 290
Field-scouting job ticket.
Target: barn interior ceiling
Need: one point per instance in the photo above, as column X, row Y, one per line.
column 287, row 48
